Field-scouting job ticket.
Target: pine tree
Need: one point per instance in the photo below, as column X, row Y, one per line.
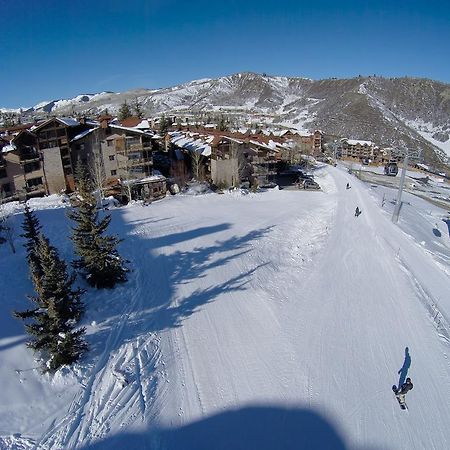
column 31, row 228
column 163, row 126
column 58, row 307
column 98, row 258
column 222, row 124
column 124, row 111
column 137, row 108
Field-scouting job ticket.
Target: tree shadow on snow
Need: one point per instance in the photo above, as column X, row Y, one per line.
column 149, row 299
column 249, row 428
column 154, row 291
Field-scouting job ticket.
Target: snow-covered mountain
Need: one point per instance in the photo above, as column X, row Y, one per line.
column 383, row 110
column 272, row 320
column 70, row 105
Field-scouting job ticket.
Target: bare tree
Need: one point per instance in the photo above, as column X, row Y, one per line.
column 97, row 171
column 238, row 162
column 125, row 165
column 197, row 168
column 6, row 222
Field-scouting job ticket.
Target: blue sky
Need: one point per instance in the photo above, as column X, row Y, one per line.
column 53, row 49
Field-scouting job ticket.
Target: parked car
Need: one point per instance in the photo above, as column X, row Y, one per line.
column 310, row 184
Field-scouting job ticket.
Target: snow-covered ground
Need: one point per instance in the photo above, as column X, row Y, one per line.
column 275, row 320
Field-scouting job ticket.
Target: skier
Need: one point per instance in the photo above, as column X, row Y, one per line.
column 405, row 387
column 348, row 186
column 357, row 212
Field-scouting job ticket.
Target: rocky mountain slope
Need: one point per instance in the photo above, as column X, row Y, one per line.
column 387, row 111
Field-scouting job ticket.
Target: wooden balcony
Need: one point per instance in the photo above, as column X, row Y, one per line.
column 29, row 157
column 140, row 147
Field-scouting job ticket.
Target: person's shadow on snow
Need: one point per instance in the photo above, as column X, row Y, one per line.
column 403, row 372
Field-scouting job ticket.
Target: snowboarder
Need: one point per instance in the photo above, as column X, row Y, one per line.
column 405, row 387
column 400, row 393
column 357, row 212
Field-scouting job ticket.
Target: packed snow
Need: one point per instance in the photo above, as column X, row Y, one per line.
column 268, row 320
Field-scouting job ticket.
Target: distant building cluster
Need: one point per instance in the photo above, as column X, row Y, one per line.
column 138, row 158
column 133, row 157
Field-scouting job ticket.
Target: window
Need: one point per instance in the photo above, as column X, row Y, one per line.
column 66, row 162
column 110, row 143
column 111, row 157
column 113, row 172
column 134, row 155
column 30, row 167
column 33, row 182
column 3, row 173
column 6, row 188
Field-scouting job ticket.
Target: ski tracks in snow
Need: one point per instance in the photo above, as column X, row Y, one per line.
column 121, row 386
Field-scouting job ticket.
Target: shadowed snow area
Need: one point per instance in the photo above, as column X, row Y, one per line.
column 275, row 320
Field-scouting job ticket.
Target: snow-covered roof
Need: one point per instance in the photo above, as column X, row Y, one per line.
column 9, row 148
column 83, row 134
column 232, row 139
column 423, row 166
column 275, row 145
column 134, row 130
column 113, row 136
column 151, row 178
column 69, row 121
column 190, row 143
column 145, row 125
column 357, row 141
column 262, row 145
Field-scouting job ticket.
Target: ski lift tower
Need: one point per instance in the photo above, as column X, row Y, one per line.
column 407, row 155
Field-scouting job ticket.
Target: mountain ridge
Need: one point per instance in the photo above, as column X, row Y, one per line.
column 414, row 112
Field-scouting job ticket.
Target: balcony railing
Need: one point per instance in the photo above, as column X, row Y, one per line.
column 38, row 187
column 25, row 157
column 140, row 147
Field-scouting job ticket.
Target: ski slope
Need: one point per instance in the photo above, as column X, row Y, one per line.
column 275, row 320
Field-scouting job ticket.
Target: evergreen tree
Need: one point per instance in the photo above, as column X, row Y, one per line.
column 98, row 258
column 58, row 307
column 163, row 126
column 222, row 124
column 137, row 108
column 31, row 228
column 124, row 111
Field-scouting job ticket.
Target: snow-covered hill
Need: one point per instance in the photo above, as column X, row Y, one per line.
column 384, row 110
column 259, row 321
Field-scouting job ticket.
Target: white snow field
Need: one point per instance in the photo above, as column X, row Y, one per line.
column 275, row 320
